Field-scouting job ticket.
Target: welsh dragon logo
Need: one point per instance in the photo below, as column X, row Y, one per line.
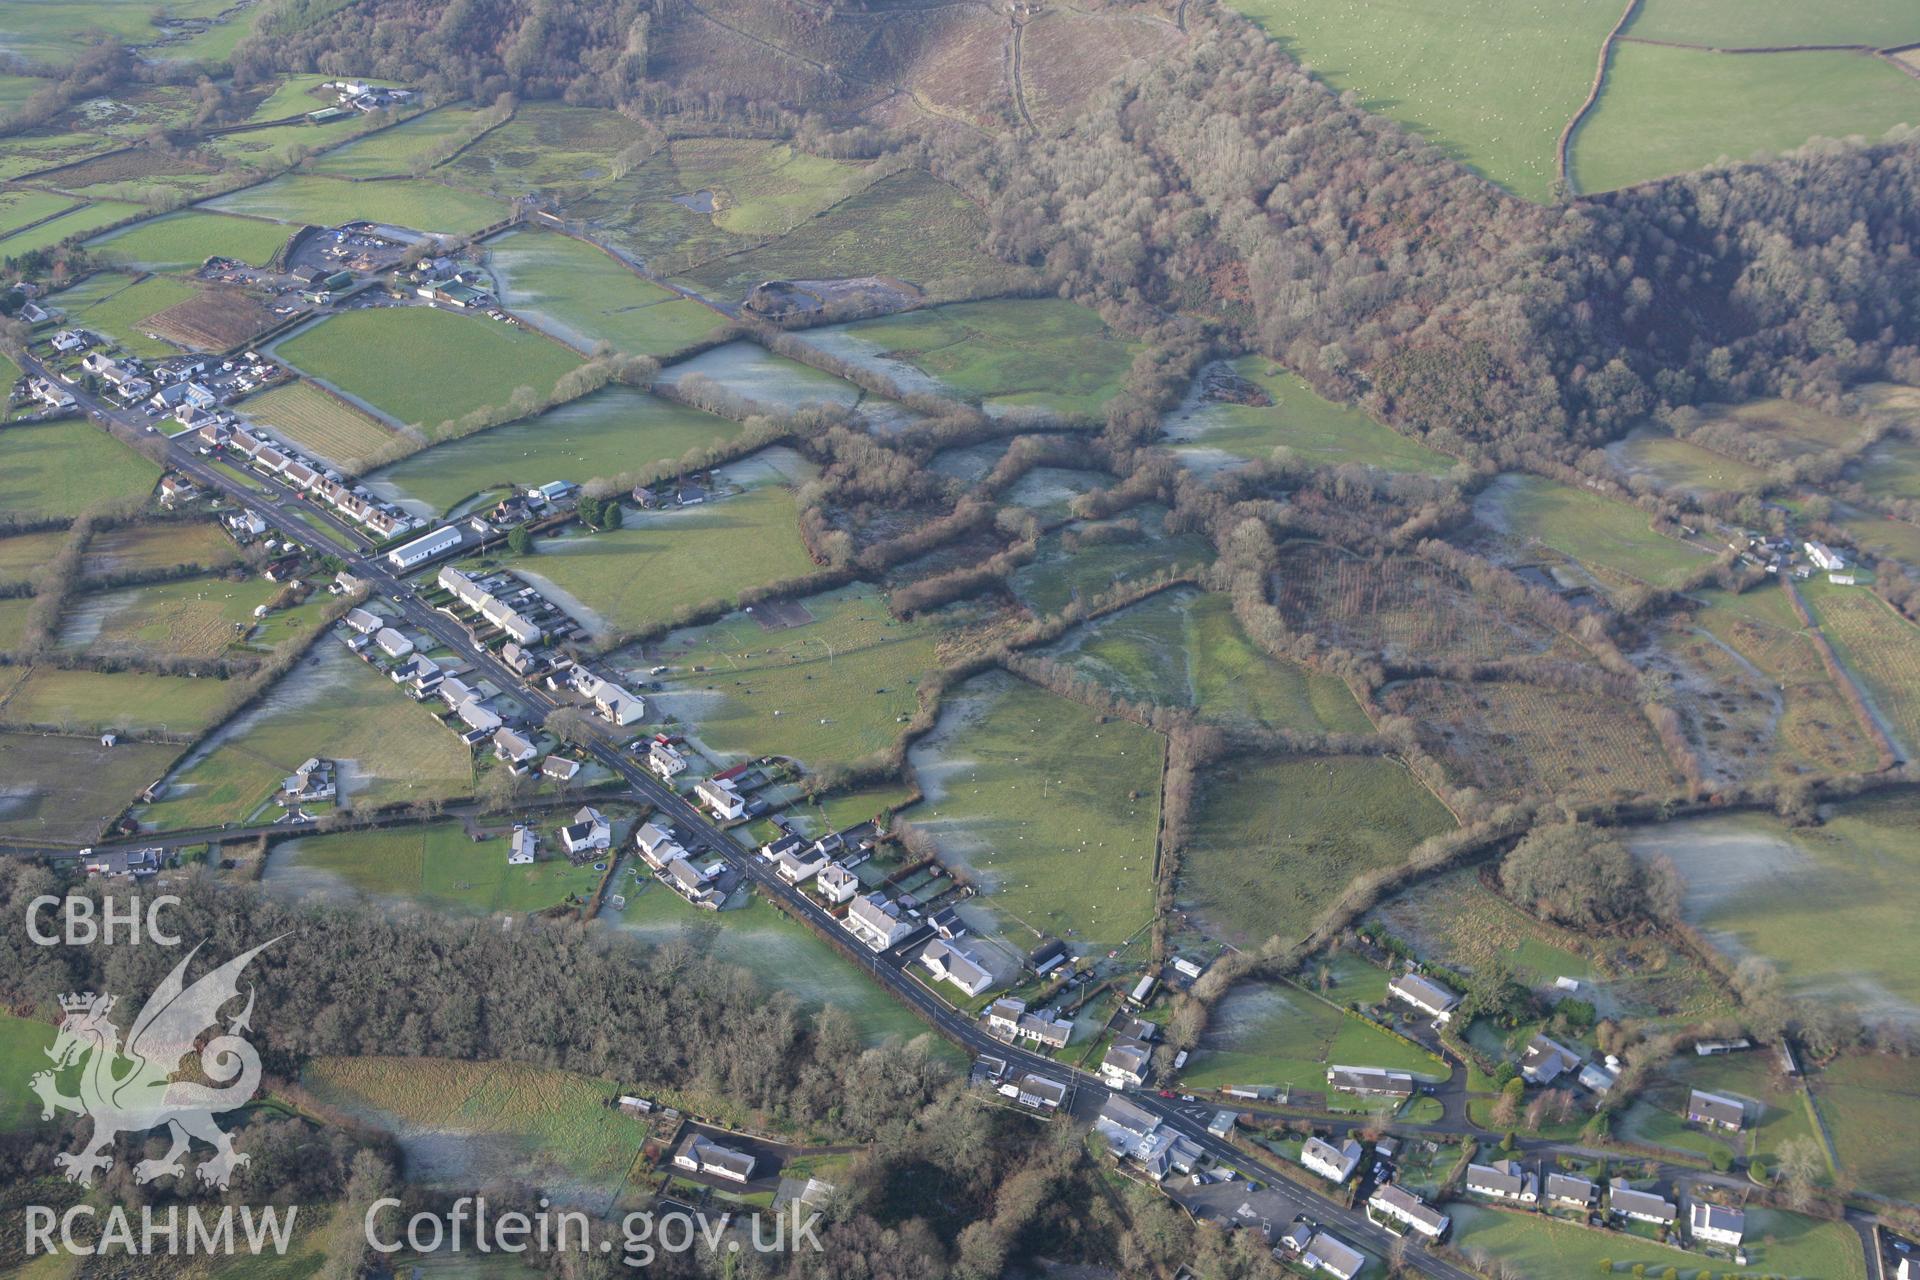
column 132, row 1088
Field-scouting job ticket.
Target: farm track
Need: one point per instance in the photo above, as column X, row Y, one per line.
column 1019, row 90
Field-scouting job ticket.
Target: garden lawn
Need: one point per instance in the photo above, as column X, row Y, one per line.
column 1667, row 111
column 323, row 425
column 1490, row 81
column 1054, row 811
column 1277, row 1034
column 1587, row 527
column 412, row 203
column 615, row 430
column 78, row 222
column 425, row 366
column 94, row 700
column 587, row 296
column 1046, row 352
column 1276, row 841
column 1871, row 1106
column 62, row 468
column 1824, row 903
column 440, row 866
column 1186, row 649
column 827, row 692
column 331, row 705
column 665, row 565
column 185, row 618
column 181, row 242
column 538, row 1124
column 65, row 790
column 121, row 307
column 1315, row 429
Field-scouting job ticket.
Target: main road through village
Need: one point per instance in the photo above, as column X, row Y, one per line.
column 278, row 505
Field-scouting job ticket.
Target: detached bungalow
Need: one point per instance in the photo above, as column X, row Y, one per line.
column 701, row 1154
column 1507, row 1180
column 1641, row 1206
column 1332, row 1255
column 512, row 747
column 1716, row 1111
column 392, row 643
column 949, row 963
column 1546, row 1060
column 362, row 621
column 1424, row 994
column 1370, row 1082
column 1564, row 1191
column 1335, row 1164
column 525, row 845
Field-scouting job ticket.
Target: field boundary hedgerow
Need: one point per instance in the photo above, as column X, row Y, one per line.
column 1564, row 145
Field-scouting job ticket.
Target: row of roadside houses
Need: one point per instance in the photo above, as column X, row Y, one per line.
column 661, row 851
column 499, row 599
column 381, row 520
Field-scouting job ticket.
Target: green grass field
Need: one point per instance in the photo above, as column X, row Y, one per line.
column 1822, row 903
column 331, row 705
column 587, row 297
column 783, row 953
column 13, row 622
column 22, row 1042
column 78, row 223
column 1491, row 81
column 1879, row 647
column 1871, row 1105
column 1668, row 111
column 1878, row 537
column 614, row 430
column 411, row 203
column 1275, row 841
column 424, row 366
column 767, row 382
column 158, row 546
column 1778, row 1244
column 180, row 242
column 551, row 146
column 1047, row 352
column 829, row 691
column 80, row 701
column 18, row 208
column 121, row 308
column 1776, row 1112
column 661, row 564
column 391, row 152
column 1275, row 1034
column 22, row 553
column 761, row 188
column 198, row 617
column 62, row 468
column 1890, row 469
column 1186, row 649
column 64, row 790
column 464, row 1122
column 1316, row 430
column 1733, row 23
column 1052, row 810
column 1677, row 464
column 1588, row 527
column 437, row 866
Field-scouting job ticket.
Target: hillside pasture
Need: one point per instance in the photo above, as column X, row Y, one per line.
column 394, row 151
column 1814, row 901
column 1490, row 81
column 1890, row 469
column 616, row 429
column 59, row 469
column 1681, row 465
column 330, row 705
column 1052, row 811
column 1880, row 648
column 412, row 203
column 1667, row 110
column 181, row 242
column 1186, row 649
column 424, row 366
column 548, row 146
column 829, row 691
column 1734, row 23
column 663, row 564
column 1275, row 841
column 1294, row 417
column 65, row 790
column 587, row 297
